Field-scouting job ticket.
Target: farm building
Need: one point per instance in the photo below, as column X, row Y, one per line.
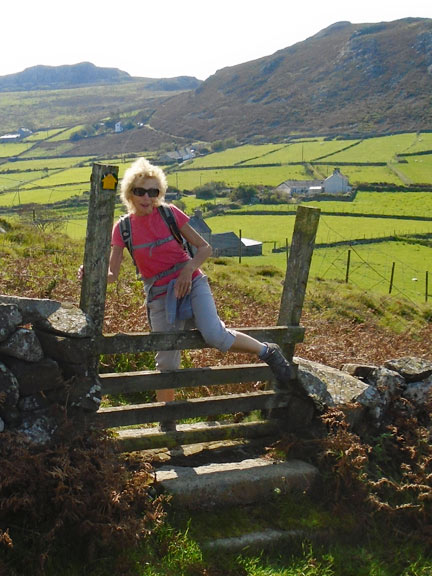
column 16, row 136
column 337, row 183
column 179, row 155
column 226, row 243
column 198, row 223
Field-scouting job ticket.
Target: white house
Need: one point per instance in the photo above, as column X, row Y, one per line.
column 337, row 183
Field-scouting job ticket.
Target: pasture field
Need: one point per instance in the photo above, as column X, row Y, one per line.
column 302, row 151
column 43, row 135
column 13, row 149
column 418, row 169
column 68, row 176
column 232, row 177
column 370, row 267
column 42, row 195
column 50, row 163
column 423, row 142
column 15, row 180
column 66, row 133
column 377, row 203
column 366, row 174
column 61, row 149
column 267, row 228
column 379, row 149
column 233, row 156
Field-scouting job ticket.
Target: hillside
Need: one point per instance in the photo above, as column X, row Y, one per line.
column 84, row 74
column 348, row 78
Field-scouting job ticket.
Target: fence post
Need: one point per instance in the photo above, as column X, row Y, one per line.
column 297, row 272
column 240, row 246
column 97, row 247
column 427, row 286
column 392, row 277
column 348, row 267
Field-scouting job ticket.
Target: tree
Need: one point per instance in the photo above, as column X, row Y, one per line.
column 244, row 194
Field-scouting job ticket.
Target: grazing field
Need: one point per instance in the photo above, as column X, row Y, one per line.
column 268, row 228
column 233, row 177
column 418, row 169
column 13, row 149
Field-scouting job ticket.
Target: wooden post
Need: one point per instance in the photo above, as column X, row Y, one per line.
column 97, row 247
column 297, row 272
column 348, row 267
column 427, row 286
column 392, row 277
column 240, row 246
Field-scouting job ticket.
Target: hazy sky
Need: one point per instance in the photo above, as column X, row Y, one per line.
column 165, row 38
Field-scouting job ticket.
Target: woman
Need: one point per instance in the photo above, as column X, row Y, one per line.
column 170, row 273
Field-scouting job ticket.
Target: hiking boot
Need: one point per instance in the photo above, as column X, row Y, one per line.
column 284, row 371
column 167, row 426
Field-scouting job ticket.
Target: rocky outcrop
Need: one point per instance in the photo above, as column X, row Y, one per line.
column 366, row 392
column 46, row 365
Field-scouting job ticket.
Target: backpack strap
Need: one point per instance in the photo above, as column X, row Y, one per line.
column 167, row 214
column 126, row 234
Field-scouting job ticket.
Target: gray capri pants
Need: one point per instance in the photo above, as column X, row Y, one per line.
column 206, row 320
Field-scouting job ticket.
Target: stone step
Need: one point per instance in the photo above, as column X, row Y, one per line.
column 234, row 483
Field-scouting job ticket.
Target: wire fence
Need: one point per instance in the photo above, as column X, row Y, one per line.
column 396, row 268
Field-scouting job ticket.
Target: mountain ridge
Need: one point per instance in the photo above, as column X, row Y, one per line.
column 347, row 78
column 43, row 77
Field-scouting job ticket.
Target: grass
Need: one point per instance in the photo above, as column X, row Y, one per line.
column 267, row 228
column 177, row 547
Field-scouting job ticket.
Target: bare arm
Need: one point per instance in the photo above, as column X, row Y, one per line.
column 204, row 250
column 115, row 261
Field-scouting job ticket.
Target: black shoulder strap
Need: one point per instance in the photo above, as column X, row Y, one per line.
column 168, row 215
column 126, row 234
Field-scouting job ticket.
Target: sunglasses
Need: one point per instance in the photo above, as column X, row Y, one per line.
column 152, row 192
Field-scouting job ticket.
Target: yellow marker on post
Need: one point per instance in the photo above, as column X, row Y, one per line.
column 109, row 182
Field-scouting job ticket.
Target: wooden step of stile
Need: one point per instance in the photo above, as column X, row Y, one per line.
column 234, row 483
column 134, row 439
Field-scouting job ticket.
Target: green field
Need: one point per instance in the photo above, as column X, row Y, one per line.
column 57, row 178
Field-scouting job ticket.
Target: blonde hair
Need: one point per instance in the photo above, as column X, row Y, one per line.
column 141, row 168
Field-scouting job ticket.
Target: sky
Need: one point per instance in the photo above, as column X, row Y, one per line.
column 166, row 38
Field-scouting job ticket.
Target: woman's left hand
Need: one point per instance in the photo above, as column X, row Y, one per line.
column 183, row 283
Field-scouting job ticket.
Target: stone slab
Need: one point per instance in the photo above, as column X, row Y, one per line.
column 230, row 483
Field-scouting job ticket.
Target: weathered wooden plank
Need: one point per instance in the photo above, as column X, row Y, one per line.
column 196, row 407
column 148, row 438
column 128, row 382
column 297, row 272
column 97, row 246
column 188, row 339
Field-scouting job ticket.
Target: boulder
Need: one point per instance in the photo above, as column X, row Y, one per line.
column 410, row 368
column 9, row 389
column 10, row 319
column 419, row 393
column 31, row 381
column 60, row 318
column 330, row 386
column 23, row 344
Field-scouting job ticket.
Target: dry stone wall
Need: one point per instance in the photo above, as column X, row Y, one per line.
column 47, row 365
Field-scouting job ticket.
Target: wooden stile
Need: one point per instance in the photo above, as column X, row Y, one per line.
column 286, row 334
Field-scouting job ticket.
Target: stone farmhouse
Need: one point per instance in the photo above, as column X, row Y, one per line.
column 16, row 136
column 337, row 183
column 179, row 155
column 226, row 243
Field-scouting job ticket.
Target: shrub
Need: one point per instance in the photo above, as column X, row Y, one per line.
column 76, row 493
